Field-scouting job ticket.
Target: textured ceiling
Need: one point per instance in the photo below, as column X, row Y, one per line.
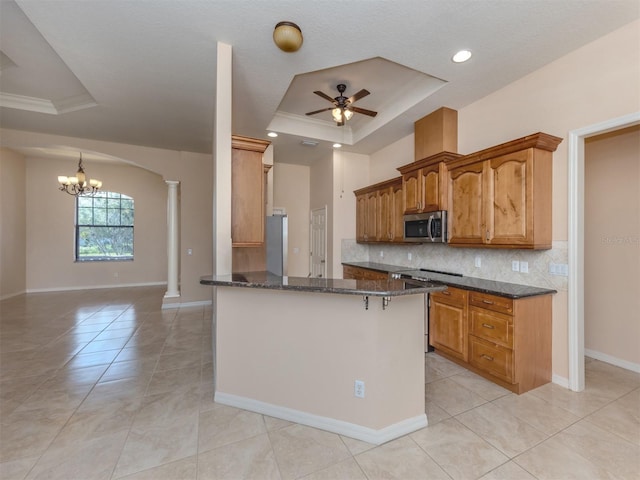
column 143, row 73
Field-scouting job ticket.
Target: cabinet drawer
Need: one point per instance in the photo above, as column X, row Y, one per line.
column 494, row 327
column 491, row 358
column 452, row 296
column 491, row 302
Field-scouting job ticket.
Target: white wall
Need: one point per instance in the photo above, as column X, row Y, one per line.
column 291, row 190
column 194, row 171
column 13, row 226
column 50, row 219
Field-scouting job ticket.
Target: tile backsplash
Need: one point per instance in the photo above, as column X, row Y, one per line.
column 495, row 264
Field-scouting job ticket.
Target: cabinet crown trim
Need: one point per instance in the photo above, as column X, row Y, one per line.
column 247, row 143
column 433, row 159
column 541, row 141
column 379, row 186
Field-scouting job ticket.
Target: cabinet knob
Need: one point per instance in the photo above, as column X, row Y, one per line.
column 487, row 357
column 486, row 325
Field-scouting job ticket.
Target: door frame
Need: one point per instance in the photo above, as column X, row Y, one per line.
column 576, row 240
column 325, row 210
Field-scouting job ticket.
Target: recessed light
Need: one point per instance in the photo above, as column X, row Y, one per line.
column 272, row 134
column 337, row 145
column 461, row 56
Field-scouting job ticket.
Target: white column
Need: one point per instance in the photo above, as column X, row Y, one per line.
column 172, row 240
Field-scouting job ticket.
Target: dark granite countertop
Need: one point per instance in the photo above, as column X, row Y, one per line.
column 374, row 288
column 493, row 287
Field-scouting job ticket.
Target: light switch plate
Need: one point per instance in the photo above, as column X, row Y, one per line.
column 515, row 265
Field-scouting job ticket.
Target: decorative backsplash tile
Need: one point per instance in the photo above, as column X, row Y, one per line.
column 494, row 264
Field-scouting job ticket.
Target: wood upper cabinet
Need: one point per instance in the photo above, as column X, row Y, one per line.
column 448, row 329
column 501, row 197
column 379, row 215
column 247, row 191
column 424, row 183
column 466, row 204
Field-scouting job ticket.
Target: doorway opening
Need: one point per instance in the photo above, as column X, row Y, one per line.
column 576, row 187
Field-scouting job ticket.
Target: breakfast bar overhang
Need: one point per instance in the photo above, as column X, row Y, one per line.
column 293, row 348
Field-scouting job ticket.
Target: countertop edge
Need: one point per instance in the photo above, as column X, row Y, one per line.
column 396, row 292
column 451, row 281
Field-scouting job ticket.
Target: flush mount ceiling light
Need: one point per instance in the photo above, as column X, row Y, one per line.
column 461, row 56
column 287, row 36
column 77, row 185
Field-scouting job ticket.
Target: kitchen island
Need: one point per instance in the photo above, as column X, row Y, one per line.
column 293, row 348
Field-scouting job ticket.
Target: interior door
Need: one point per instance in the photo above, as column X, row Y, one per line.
column 318, row 241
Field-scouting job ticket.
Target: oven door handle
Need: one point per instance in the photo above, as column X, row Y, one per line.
column 429, row 233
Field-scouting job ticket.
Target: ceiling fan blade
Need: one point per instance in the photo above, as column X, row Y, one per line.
column 362, row 93
column 319, row 111
column 325, row 96
column 363, row 111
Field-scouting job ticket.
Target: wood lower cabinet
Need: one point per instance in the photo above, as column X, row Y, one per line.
column 379, row 216
column 356, row 273
column 448, row 331
column 507, row 340
column 501, row 197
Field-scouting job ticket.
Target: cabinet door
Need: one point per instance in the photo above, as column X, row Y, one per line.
column 385, row 212
column 361, row 217
column 370, row 228
column 397, row 214
column 431, row 192
column 448, row 329
column 509, row 184
column 412, row 188
column 247, row 207
column 466, row 202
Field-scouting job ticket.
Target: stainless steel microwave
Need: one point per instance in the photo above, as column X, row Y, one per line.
column 427, row 227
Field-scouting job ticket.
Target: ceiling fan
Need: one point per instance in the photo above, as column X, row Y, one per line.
column 343, row 108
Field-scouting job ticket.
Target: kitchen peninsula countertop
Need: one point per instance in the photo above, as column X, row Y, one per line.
column 373, row 288
column 493, row 287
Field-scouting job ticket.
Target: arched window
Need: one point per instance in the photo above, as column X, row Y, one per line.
column 104, row 227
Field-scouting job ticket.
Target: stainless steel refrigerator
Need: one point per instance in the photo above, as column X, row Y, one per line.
column 277, row 244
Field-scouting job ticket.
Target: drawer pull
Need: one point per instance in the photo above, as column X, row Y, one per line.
column 487, row 357
column 444, row 292
column 488, row 302
column 486, row 325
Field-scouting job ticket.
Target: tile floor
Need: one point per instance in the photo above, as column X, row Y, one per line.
column 103, row 384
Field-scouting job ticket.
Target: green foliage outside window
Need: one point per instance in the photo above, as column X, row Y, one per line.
column 104, row 227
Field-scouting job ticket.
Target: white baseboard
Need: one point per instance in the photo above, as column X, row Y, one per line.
column 95, row 287
column 369, row 435
column 170, row 306
column 558, row 380
column 618, row 362
column 10, row 295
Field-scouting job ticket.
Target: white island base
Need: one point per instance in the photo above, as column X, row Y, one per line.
column 295, row 355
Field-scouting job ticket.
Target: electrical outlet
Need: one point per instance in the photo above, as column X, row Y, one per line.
column 189, row 251
column 478, row 261
column 515, row 265
column 358, row 389
column 524, row 267
column 561, row 269
column 409, row 256
column 381, row 254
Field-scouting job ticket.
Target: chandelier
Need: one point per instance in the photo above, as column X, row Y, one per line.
column 77, row 185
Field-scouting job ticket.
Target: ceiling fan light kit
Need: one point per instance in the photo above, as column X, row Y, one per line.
column 287, row 36
column 343, row 108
